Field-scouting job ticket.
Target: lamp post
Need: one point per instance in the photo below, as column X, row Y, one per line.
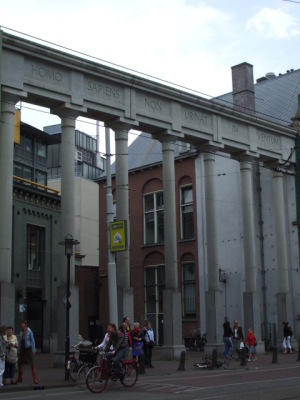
column 69, row 242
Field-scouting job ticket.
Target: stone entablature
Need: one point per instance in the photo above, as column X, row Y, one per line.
column 54, row 79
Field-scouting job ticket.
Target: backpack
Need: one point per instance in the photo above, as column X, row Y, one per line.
column 255, row 341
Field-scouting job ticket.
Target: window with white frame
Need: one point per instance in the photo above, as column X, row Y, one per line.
column 153, row 218
column 188, row 290
column 187, row 215
column 154, row 287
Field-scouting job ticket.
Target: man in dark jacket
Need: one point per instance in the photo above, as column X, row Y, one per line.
column 116, row 339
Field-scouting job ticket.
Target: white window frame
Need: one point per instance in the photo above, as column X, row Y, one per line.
column 182, row 207
column 155, row 212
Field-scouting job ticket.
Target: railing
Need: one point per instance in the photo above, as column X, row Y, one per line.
column 39, row 185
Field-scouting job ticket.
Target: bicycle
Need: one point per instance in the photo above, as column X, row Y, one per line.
column 97, row 377
column 89, row 359
column 86, row 356
column 197, row 343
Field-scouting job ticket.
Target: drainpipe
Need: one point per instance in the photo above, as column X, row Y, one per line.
column 262, row 254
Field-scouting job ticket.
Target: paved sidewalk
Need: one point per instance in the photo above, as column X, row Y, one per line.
column 50, row 377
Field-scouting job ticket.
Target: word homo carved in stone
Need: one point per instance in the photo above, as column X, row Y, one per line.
column 46, row 73
column 102, row 90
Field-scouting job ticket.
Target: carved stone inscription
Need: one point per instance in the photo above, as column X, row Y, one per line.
column 194, row 118
column 153, row 106
column 103, row 90
column 268, row 141
column 234, row 131
column 45, row 73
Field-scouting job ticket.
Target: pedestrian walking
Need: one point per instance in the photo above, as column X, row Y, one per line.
column 227, row 339
column 27, row 352
column 287, row 334
column 237, row 338
column 251, row 342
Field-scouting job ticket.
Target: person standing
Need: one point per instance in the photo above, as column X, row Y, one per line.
column 125, row 330
column 148, row 345
column 27, row 352
column 11, row 355
column 2, row 353
column 137, row 340
column 237, row 338
column 227, row 339
column 287, row 333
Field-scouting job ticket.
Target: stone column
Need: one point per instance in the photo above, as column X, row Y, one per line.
column 171, row 297
column 250, row 296
column 281, row 248
column 7, row 290
column 214, row 299
column 125, row 292
column 68, row 121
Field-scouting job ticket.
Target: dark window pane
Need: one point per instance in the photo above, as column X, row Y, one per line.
column 149, row 202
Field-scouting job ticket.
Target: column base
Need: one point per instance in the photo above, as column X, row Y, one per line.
column 170, row 353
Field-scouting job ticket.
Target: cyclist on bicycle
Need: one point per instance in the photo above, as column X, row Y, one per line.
column 117, row 340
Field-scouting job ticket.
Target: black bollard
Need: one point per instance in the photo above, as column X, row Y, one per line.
column 274, row 358
column 214, row 358
column 182, row 361
column 243, row 357
column 142, row 364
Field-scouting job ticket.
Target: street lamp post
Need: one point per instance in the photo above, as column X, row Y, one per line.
column 69, row 242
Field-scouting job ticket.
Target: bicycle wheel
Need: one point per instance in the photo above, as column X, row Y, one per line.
column 96, row 381
column 81, row 375
column 131, row 375
column 73, row 366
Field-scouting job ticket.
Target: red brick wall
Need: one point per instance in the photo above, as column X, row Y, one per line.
column 147, row 181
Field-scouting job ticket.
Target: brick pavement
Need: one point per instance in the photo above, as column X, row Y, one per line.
column 53, row 377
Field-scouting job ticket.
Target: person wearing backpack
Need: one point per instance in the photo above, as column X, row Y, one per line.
column 287, row 334
column 251, row 342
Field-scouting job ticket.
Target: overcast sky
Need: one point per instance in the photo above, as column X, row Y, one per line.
column 192, row 43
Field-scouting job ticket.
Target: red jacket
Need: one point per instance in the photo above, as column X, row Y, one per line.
column 250, row 339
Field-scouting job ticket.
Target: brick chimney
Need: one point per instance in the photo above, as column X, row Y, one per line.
column 243, row 88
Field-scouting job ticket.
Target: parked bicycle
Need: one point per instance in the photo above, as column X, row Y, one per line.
column 97, row 377
column 198, row 341
column 87, row 358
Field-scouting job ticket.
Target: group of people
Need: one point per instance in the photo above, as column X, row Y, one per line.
column 13, row 351
column 120, row 341
column 234, row 341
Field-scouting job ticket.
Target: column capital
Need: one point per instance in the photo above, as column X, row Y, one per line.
column 121, row 124
column 167, row 135
column 13, row 95
column 68, row 110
